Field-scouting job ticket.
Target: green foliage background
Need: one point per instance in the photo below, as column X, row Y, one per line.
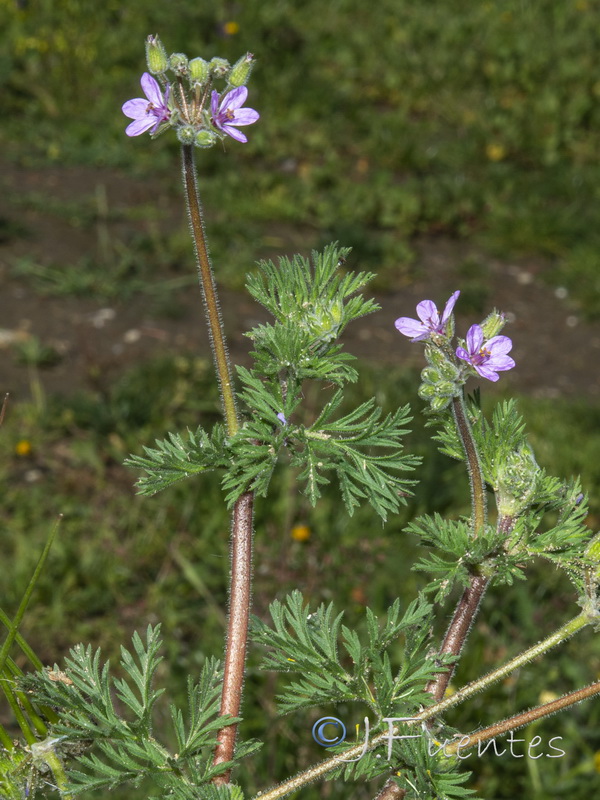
column 380, row 123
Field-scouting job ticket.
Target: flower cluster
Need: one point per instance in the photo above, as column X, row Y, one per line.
column 169, row 104
column 483, row 352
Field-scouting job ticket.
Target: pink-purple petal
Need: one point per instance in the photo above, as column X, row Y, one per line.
column 449, row 307
column 235, row 98
column 139, row 126
column 427, row 311
column 235, row 134
column 474, row 339
column 412, row 328
column 500, row 345
column 135, row 108
column 245, row 116
column 152, row 89
column 501, row 363
column 487, row 372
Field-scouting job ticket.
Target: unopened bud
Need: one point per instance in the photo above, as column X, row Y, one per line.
column 439, row 403
column 446, row 388
column 178, row 62
column 430, row 375
column 219, row 67
column 517, row 480
column 199, row 71
column 205, row 139
column 186, row 134
column 441, row 362
column 240, row 72
column 156, row 56
column 427, row 391
column 493, row 324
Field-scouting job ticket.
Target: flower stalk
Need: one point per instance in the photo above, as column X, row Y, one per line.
column 209, row 290
column 478, row 502
column 241, row 526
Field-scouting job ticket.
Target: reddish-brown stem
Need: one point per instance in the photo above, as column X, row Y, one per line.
column 237, row 628
column 457, row 632
column 241, row 525
column 391, row 791
column 526, row 718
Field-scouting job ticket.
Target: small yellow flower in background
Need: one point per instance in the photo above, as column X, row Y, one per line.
column 23, row 447
column 450, row 690
column 301, row 533
column 495, row 152
column 582, row 5
column 597, row 761
column 547, row 696
column 231, row 28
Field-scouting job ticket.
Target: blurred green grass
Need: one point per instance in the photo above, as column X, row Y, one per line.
column 121, row 561
column 378, row 125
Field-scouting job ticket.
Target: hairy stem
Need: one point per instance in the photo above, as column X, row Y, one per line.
column 209, row 289
column 478, row 503
column 560, row 635
column 467, row 607
column 241, row 524
column 325, row 767
column 55, row 764
column 457, row 632
column 237, row 628
column 526, row 718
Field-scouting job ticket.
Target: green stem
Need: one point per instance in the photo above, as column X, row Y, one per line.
column 325, row 767
column 20, row 718
column 526, row 718
column 5, row 740
column 560, row 635
column 209, row 290
column 478, row 500
column 55, row 764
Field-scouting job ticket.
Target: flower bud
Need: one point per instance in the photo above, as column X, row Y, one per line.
column 205, row 138
column 199, row 71
column 427, row 391
column 178, row 62
column 438, row 359
column 446, row 388
column 219, row 67
column 430, row 375
column 440, row 403
column 156, row 56
column 240, row 72
column 186, row 134
column 517, row 480
column 493, row 324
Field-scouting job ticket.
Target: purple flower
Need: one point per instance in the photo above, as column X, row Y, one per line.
column 281, row 418
column 489, row 357
column 228, row 114
column 149, row 112
column 430, row 320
